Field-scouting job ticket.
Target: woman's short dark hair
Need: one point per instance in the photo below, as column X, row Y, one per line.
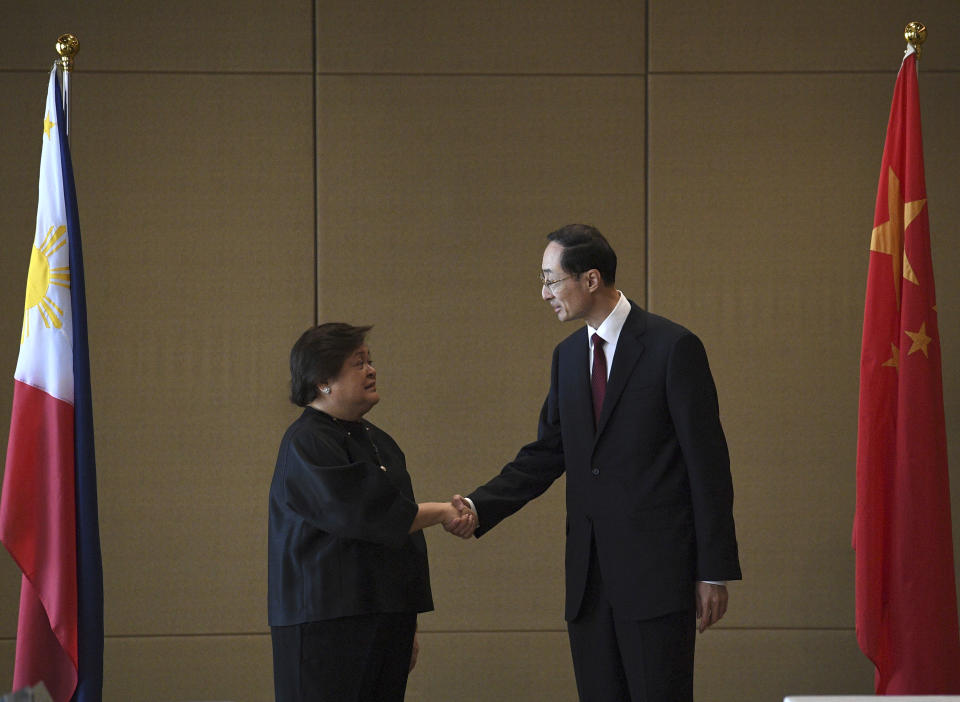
column 318, row 356
column 585, row 248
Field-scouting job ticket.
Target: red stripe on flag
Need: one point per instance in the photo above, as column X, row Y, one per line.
column 38, row 527
column 40, row 658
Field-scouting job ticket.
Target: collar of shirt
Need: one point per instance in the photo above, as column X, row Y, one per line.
column 609, row 331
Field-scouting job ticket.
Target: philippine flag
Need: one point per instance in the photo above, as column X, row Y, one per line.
column 48, row 508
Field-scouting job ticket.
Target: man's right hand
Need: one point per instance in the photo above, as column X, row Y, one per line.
column 466, row 523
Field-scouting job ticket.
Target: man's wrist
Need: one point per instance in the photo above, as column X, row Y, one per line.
column 473, row 509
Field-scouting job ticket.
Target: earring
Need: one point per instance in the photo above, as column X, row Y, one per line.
column 325, row 391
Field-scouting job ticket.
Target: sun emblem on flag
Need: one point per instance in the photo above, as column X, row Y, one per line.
column 44, row 278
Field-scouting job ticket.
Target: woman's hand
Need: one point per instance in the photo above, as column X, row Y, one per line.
column 461, row 522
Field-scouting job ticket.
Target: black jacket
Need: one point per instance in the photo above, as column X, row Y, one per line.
column 338, row 538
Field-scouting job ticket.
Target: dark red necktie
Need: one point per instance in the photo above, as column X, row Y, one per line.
column 598, row 378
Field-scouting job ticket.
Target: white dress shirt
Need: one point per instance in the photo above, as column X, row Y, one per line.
column 609, row 331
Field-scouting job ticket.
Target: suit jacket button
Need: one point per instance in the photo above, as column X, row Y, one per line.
column 595, row 471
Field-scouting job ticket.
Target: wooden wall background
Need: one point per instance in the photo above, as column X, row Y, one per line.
column 403, row 162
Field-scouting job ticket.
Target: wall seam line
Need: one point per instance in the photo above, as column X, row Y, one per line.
column 315, row 69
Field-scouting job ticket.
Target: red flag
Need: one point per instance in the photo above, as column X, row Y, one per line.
column 906, row 608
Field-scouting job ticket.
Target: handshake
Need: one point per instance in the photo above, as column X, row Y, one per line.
column 458, row 518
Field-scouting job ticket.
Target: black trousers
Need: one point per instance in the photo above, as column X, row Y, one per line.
column 623, row 660
column 365, row 658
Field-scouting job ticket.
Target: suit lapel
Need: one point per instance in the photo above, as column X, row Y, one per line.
column 629, row 350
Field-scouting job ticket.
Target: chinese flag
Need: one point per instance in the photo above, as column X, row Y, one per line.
column 906, row 607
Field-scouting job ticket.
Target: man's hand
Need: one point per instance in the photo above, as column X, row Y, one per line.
column 466, row 521
column 711, row 604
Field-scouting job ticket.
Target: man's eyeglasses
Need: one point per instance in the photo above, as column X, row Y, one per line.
column 552, row 285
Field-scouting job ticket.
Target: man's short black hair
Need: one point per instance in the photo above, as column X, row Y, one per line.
column 318, row 356
column 584, row 248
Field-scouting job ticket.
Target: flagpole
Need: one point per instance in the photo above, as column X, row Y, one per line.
column 67, row 46
column 915, row 34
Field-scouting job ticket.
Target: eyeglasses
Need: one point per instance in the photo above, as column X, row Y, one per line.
column 552, row 285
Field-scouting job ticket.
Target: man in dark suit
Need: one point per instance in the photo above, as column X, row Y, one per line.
column 632, row 417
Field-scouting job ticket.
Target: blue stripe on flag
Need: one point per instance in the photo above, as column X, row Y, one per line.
column 89, row 562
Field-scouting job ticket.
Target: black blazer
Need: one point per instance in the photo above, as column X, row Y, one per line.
column 651, row 485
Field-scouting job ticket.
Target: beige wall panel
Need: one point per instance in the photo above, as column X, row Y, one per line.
column 606, row 36
column 179, row 35
column 198, row 230
column 10, row 576
column 184, row 668
column 436, row 197
column 203, row 240
column 762, row 196
column 7, row 652
column 759, row 664
column 821, row 35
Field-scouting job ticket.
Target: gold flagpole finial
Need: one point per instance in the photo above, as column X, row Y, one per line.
column 67, row 47
column 915, row 34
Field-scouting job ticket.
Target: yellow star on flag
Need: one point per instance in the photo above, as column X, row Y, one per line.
column 888, row 237
column 920, row 340
column 47, row 125
column 894, row 360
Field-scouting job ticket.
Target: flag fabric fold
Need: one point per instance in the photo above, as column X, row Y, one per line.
column 906, row 609
column 48, row 507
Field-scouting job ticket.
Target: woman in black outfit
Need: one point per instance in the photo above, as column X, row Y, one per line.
column 347, row 559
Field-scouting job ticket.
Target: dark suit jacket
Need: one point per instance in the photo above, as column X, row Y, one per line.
column 651, row 485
